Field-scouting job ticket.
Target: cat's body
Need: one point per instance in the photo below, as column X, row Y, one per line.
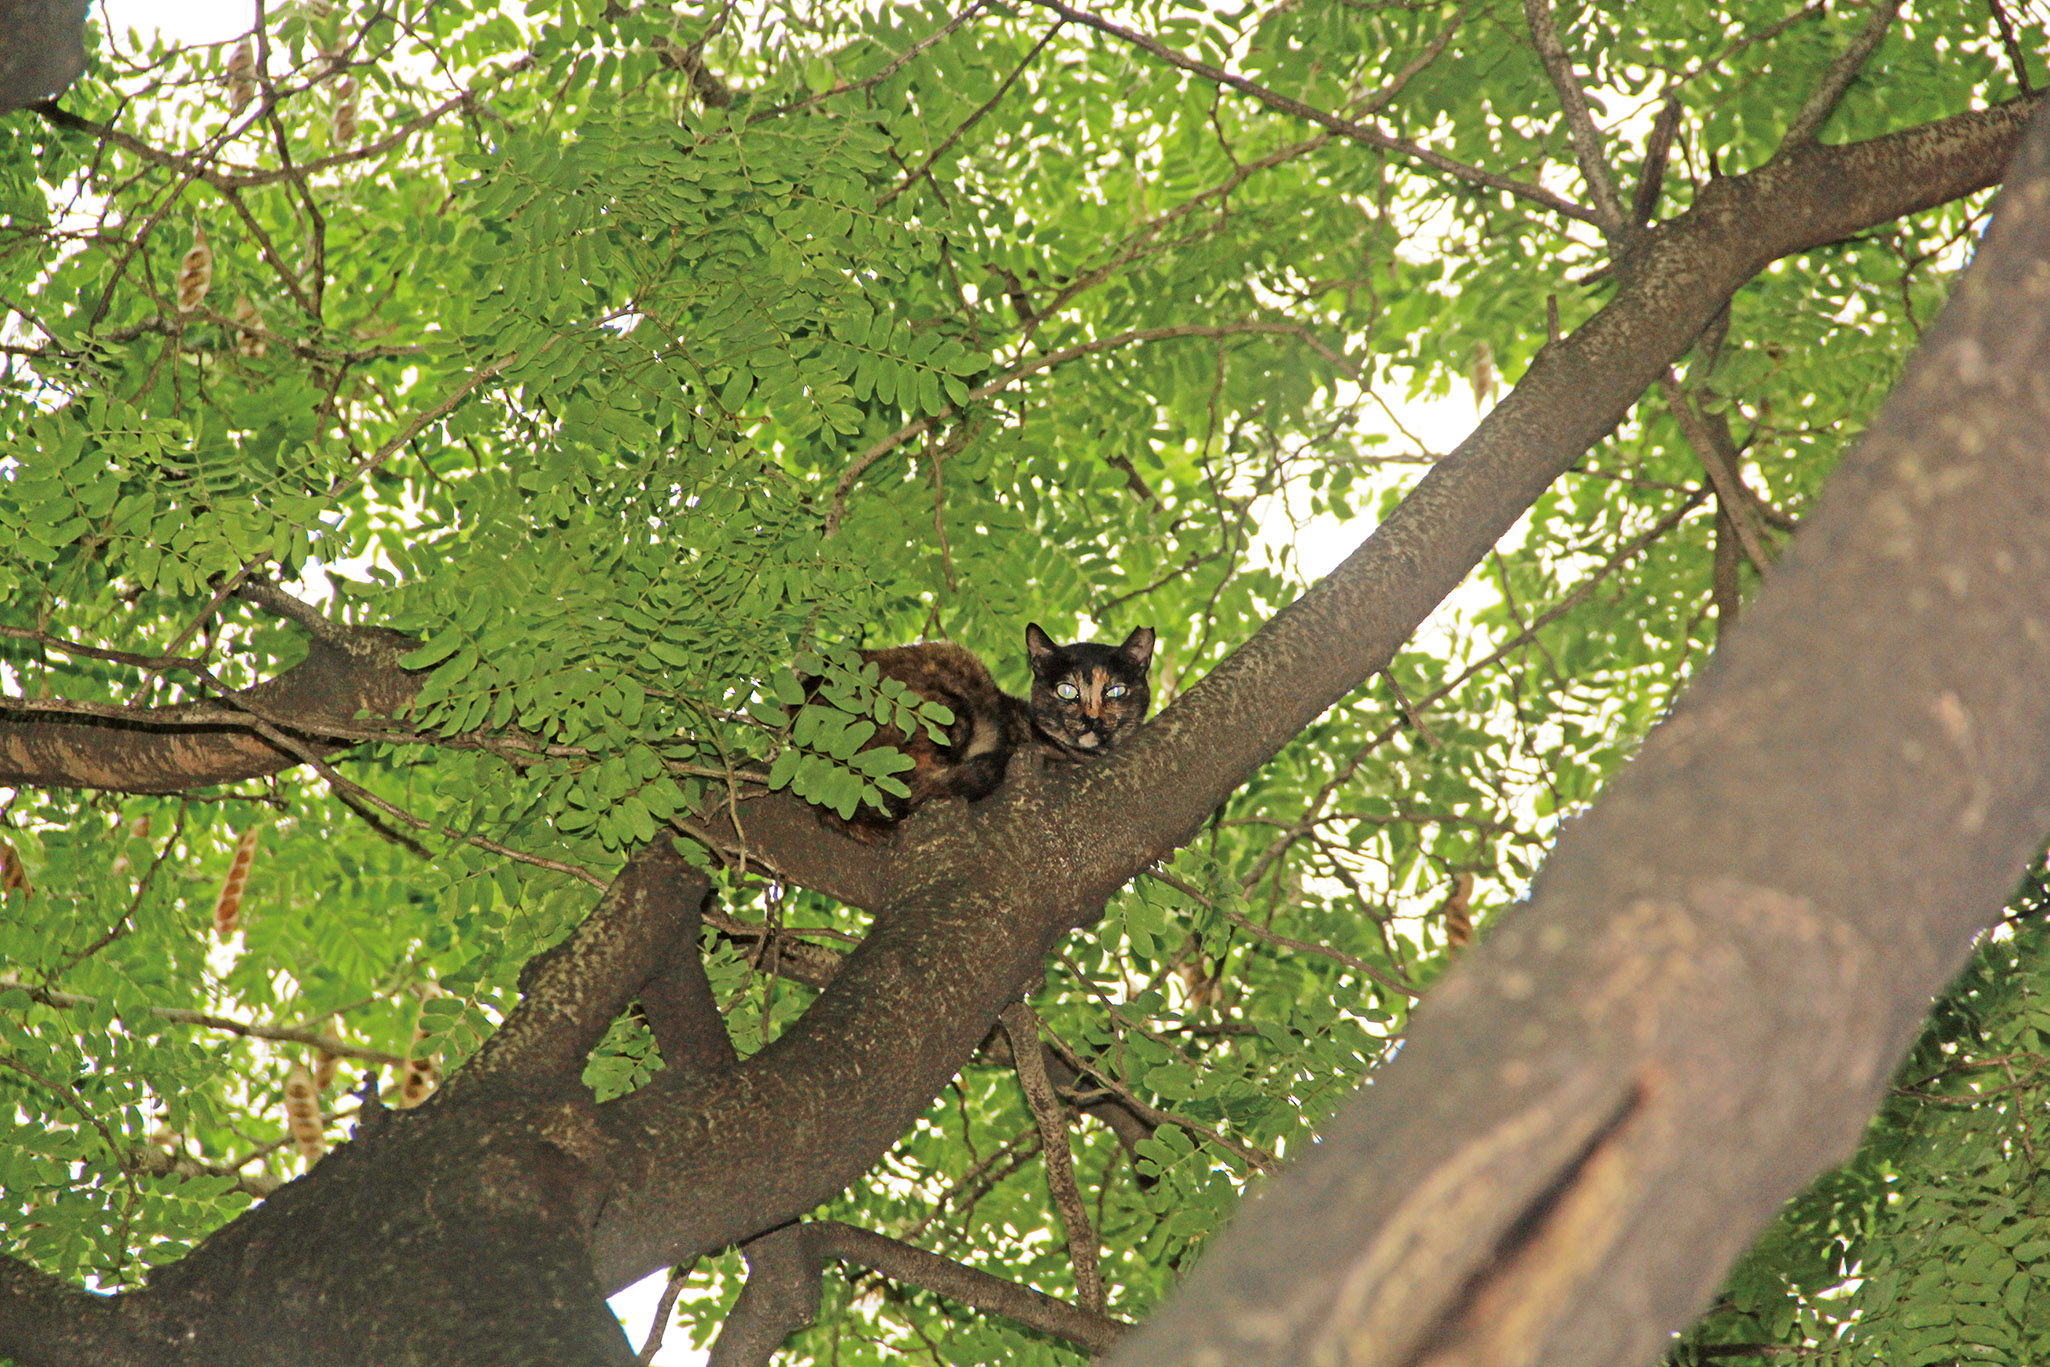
column 1085, row 698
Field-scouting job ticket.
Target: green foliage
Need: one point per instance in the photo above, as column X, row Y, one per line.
column 642, row 414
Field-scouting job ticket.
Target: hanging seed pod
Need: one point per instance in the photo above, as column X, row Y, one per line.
column 418, row 1077
column 347, row 93
column 302, row 1114
column 195, row 273
column 12, row 874
column 242, row 75
column 419, row 1074
column 1456, row 911
column 248, row 341
column 228, row 906
column 1482, row 374
column 324, row 1063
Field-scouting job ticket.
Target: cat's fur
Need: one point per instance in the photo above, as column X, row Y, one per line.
column 990, row 725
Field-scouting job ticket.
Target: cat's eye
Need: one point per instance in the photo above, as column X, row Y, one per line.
column 1068, row 691
column 1114, row 691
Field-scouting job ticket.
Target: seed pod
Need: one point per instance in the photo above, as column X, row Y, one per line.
column 419, row 1074
column 347, row 92
column 12, row 874
column 195, row 273
column 1457, row 912
column 242, row 75
column 418, row 1077
column 1482, row 374
column 302, row 1114
column 324, row 1063
column 248, row 341
column 228, row 906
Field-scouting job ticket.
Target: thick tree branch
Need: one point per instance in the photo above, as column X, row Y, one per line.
column 1678, row 1033
column 172, row 749
column 45, row 1318
column 781, row 1297
column 572, row 993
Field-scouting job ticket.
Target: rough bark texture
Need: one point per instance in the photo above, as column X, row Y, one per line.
column 483, row 1228
column 1722, row 964
column 41, row 49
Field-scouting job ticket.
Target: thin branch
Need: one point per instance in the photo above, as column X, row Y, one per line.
column 1844, row 69
column 1345, row 128
column 838, row 506
column 868, row 82
column 1359, row 966
column 1716, row 458
column 1587, row 145
column 123, row 657
column 281, row 1034
column 1651, row 176
column 2013, row 46
column 901, row 1262
column 1022, row 1025
column 664, row 1308
column 925, row 166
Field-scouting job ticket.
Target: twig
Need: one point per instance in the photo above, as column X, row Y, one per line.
column 838, row 507
column 2013, row 46
column 127, row 921
column 1580, row 594
column 282, row 1034
column 1359, row 966
column 1345, row 128
column 890, row 69
column 913, row 176
column 663, row 1309
column 1837, row 78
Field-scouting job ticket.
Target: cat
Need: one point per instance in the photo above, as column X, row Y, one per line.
column 1085, row 698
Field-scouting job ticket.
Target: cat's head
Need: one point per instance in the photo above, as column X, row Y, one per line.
column 1089, row 696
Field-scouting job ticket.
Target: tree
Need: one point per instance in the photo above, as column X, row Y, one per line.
column 439, row 437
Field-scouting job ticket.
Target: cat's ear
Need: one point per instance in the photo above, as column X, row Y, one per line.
column 1039, row 647
column 1138, row 648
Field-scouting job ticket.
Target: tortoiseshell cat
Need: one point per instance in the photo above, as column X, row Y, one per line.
column 1085, row 698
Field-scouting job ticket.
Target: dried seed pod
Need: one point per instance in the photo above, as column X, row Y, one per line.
column 248, row 341
column 228, row 906
column 1483, row 374
column 302, row 1114
column 1457, row 912
column 347, row 94
column 195, row 273
column 242, row 75
column 419, row 1074
column 12, row 874
column 324, row 1063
